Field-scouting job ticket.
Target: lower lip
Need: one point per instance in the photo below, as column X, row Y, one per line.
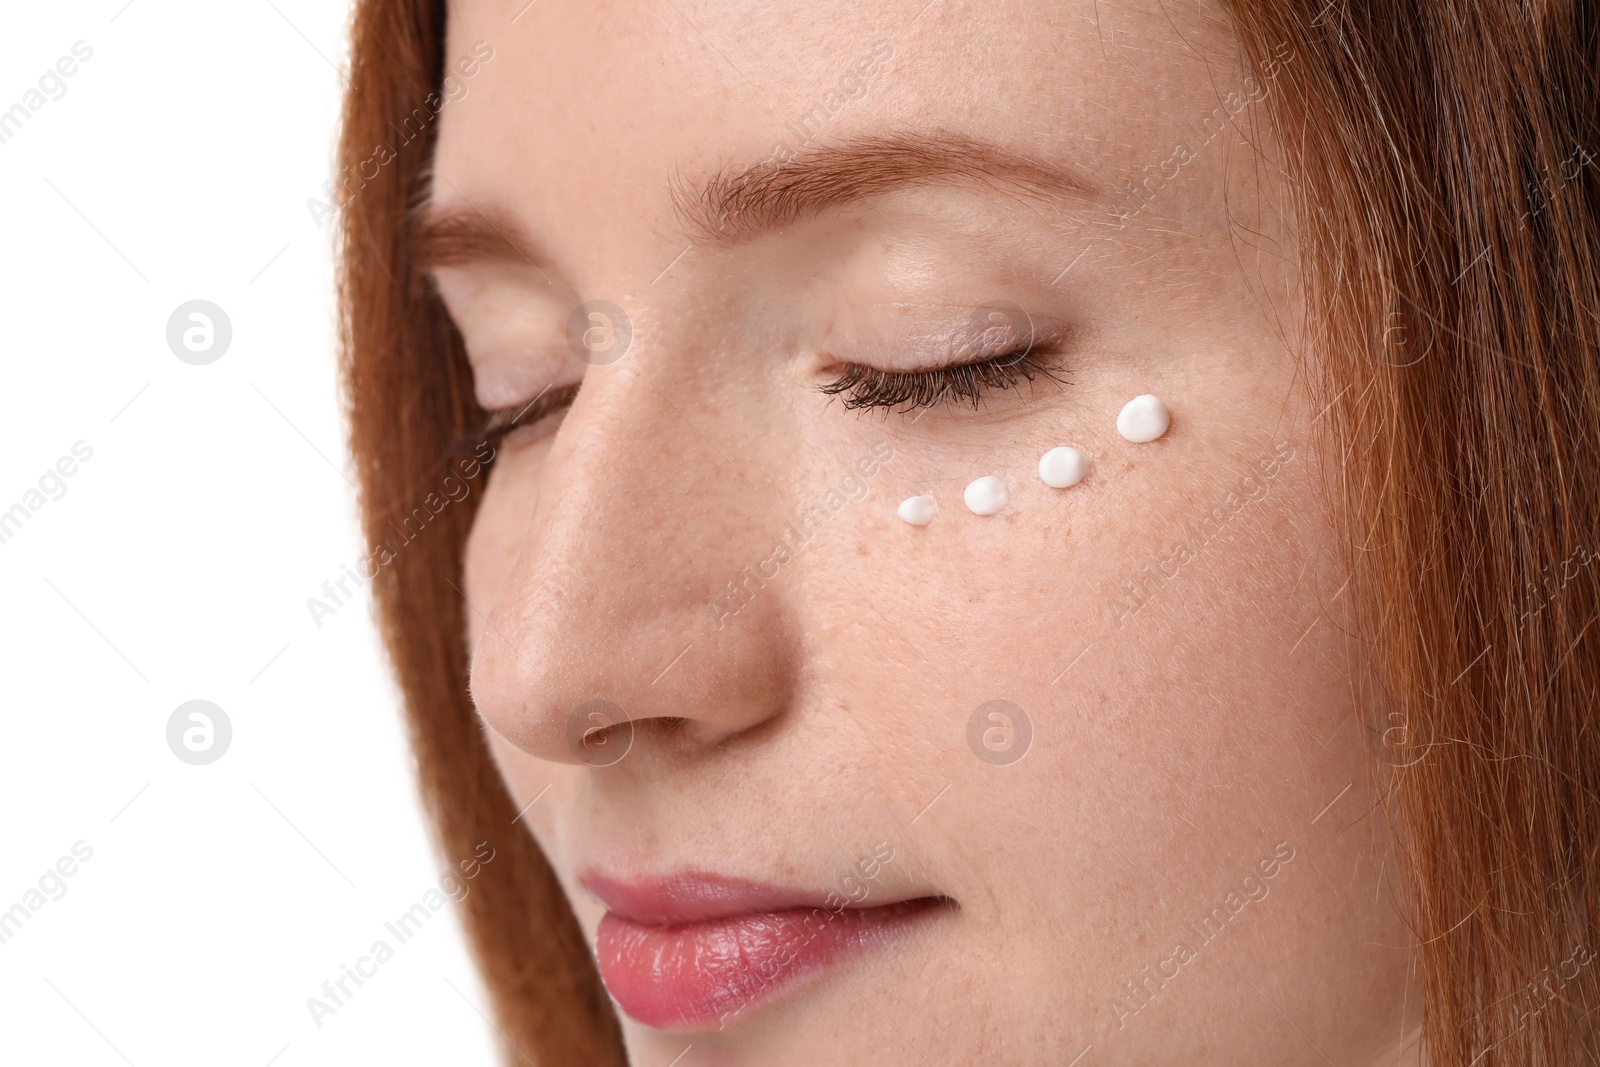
column 697, row 974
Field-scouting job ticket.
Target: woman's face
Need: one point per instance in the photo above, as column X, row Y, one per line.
column 815, row 837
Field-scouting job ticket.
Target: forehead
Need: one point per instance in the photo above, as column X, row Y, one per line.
column 586, row 115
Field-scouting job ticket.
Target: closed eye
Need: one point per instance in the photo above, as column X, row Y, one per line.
column 966, row 383
column 496, row 424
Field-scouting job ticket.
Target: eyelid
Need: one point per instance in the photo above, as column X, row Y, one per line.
column 924, row 341
column 514, row 333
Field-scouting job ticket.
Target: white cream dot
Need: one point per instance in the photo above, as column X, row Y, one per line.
column 1144, row 418
column 918, row 510
column 1063, row 467
column 986, row 496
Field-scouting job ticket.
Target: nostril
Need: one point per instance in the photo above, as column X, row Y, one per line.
column 600, row 733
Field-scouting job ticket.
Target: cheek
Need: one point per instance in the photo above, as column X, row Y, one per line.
column 1213, row 699
column 1216, row 667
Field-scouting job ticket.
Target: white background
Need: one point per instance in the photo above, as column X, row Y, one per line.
column 177, row 166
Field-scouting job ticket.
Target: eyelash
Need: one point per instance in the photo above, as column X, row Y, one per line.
column 495, row 425
column 868, row 387
column 861, row 386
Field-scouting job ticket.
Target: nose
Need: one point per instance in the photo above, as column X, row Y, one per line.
column 608, row 613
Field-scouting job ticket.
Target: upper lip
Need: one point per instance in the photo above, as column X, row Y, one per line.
column 693, row 897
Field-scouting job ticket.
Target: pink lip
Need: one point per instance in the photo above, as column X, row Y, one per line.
column 696, row 949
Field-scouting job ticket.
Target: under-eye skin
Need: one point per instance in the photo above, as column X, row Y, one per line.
column 863, row 387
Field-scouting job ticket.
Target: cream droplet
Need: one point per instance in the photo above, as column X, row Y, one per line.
column 918, row 510
column 986, row 496
column 1063, row 467
column 1144, row 418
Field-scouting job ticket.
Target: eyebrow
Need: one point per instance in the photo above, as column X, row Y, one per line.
column 452, row 236
column 732, row 207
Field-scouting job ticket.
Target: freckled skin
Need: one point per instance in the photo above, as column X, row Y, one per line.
column 1173, row 746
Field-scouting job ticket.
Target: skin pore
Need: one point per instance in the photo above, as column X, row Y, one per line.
column 1173, row 628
